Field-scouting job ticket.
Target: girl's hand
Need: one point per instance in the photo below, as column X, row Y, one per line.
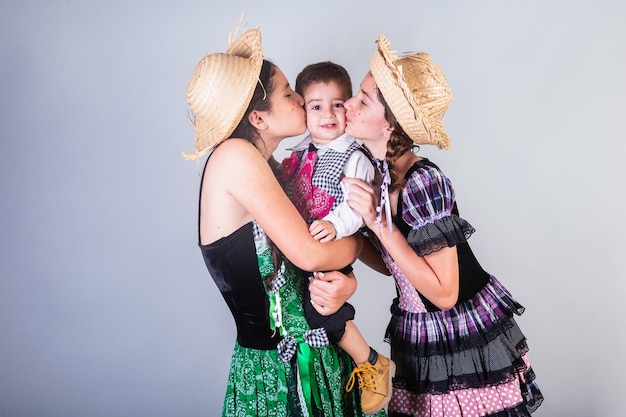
column 330, row 290
column 362, row 198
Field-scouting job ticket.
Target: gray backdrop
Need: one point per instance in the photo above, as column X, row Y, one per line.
column 106, row 308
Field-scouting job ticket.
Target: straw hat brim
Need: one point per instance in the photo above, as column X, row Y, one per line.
column 220, row 89
column 424, row 126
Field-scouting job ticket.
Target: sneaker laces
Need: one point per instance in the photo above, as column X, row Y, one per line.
column 365, row 374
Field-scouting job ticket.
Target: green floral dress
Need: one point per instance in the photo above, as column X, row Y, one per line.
column 296, row 378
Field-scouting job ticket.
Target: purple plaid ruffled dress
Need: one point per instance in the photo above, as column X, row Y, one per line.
column 470, row 360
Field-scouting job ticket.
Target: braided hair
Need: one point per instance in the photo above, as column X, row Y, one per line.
column 398, row 144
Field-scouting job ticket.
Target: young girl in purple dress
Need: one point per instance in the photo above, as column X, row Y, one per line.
column 457, row 347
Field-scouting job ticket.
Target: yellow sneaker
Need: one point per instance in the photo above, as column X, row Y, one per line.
column 374, row 383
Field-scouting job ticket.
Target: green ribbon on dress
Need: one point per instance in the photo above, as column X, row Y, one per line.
column 276, row 317
column 306, row 371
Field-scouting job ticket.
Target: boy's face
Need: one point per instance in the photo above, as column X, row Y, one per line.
column 325, row 113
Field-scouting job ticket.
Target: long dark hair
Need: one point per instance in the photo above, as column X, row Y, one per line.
column 260, row 101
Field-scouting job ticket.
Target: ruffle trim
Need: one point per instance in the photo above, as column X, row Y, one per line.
column 474, row 345
column 469, row 324
column 512, row 399
column 499, row 362
column 447, row 231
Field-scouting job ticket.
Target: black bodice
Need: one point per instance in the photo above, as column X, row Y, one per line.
column 233, row 265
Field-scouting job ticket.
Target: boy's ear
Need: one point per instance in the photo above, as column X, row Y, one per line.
column 257, row 120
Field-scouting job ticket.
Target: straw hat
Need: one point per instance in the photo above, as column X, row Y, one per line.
column 416, row 90
column 220, row 89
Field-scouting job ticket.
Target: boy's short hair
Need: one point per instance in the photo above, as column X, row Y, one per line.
column 324, row 72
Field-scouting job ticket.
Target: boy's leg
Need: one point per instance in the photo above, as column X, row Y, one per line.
column 374, row 371
column 354, row 344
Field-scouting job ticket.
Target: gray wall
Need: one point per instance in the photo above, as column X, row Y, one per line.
column 106, row 308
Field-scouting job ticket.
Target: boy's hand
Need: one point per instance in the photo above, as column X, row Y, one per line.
column 322, row 230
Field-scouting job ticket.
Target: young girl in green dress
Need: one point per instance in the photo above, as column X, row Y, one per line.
column 252, row 238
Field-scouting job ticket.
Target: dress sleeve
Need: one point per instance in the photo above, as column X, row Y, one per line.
column 427, row 204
